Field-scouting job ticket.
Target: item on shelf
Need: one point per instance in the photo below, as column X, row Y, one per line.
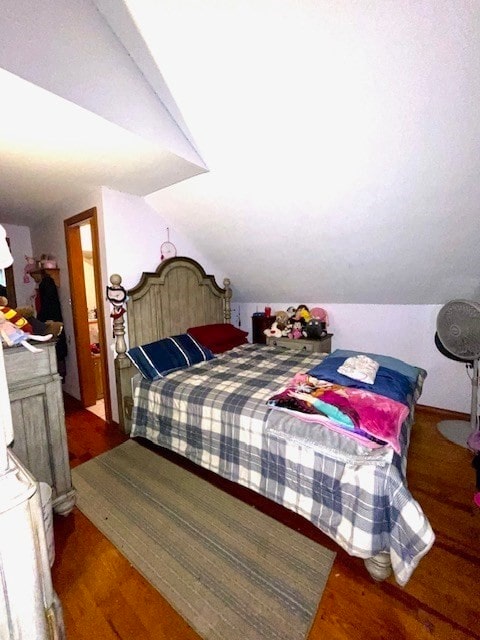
column 47, row 261
column 30, row 265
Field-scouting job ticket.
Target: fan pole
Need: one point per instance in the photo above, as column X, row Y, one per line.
column 459, row 431
column 474, row 405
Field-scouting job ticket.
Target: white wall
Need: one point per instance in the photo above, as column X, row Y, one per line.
column 21, row 246
column 131, row 234
column 48, row 236
column 342, row 141
column 403, row 331
column 134, row 233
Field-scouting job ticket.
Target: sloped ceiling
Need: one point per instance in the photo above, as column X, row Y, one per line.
column 341, row 139
column 77, row 113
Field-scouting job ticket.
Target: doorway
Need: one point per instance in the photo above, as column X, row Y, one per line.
column 83, row 255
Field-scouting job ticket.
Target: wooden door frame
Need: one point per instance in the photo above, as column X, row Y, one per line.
column 80, row 317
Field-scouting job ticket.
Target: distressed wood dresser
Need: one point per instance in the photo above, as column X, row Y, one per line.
column 40, row 438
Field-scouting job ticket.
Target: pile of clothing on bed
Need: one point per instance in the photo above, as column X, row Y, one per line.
column 366, row 397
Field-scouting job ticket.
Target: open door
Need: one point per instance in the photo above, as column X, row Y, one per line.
column 89, row 374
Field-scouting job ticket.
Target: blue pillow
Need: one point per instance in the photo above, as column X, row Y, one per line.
column 388, row 382
column 157, row 359
column 384, row 361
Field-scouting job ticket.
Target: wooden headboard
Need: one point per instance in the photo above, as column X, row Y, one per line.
column 166, row 302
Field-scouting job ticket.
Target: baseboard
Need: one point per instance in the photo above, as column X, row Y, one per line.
column 444, row 413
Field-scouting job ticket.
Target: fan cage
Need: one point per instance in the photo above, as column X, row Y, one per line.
column 458, row 328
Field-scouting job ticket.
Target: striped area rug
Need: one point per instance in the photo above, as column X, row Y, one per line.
column 232, row 572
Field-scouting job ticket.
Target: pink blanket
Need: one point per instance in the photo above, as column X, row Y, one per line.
column 356, row 411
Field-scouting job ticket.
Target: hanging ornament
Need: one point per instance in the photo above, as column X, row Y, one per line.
column 168, row 249
column 117, row 297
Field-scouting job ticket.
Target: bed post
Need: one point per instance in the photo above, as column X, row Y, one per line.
column 122, row 363
column 379, row 566
column 227, row 311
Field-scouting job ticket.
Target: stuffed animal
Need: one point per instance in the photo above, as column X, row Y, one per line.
column 24, row 318
column 14, row 317
column 273, row 331
column 283, row 322
column 302, row 314
column 319, row 314
column 296, row 331
column 314, row 329
column 12, row 335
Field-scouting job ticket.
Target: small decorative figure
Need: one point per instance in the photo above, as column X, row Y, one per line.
column 12, row 335
column 30, row 265
column 117, row 296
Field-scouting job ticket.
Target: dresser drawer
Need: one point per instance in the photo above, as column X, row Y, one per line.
column 323, row 345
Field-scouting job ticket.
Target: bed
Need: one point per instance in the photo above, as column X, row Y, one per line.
column 217, row 414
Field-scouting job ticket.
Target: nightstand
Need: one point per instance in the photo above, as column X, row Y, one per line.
column 259, row 324
column 321, row 345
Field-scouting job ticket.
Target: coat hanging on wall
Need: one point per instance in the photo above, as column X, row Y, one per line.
column 48, row 308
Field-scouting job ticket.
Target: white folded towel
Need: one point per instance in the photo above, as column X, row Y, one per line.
column 360, row 368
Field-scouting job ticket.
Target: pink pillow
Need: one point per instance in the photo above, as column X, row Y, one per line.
column 219, row 337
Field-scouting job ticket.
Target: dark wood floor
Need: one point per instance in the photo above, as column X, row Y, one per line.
column 104, row 597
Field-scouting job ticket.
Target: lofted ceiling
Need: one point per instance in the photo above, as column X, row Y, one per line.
column 58, row 150
column 342, row 139
column 68, row 124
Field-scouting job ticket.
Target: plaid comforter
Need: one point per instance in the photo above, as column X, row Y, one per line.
column 215, row 414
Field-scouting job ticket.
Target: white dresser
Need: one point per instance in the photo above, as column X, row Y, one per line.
column 29, row 607
column 40, row 438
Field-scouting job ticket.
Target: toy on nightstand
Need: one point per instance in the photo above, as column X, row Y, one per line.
column 298, row 322
column 316, row 327
column 296, row 330
column 273, row 331
column 302, row 314
column 283, row 322
column 12, row 335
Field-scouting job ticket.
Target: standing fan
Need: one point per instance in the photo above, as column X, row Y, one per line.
column 458, row 332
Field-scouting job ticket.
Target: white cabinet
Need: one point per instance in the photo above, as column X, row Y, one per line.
column 29, row 607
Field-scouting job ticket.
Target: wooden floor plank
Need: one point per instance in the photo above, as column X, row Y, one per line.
column 104, row 597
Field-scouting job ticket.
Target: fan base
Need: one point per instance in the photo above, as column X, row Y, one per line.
column 457, row 431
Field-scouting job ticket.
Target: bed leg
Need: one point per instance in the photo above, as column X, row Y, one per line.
column 379, row 566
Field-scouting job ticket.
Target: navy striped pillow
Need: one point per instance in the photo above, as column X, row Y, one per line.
column 157, row 359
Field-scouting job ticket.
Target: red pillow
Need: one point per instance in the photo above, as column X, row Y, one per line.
column 219, row 337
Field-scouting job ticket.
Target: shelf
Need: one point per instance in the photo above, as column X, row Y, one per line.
column 54, row 273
